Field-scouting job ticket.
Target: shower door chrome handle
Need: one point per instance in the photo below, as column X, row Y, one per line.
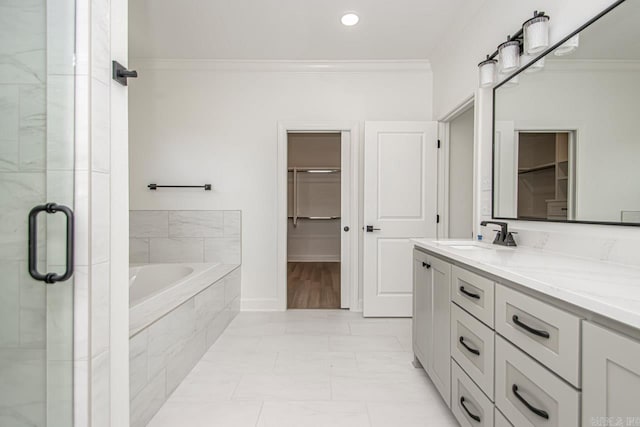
column 50, row 208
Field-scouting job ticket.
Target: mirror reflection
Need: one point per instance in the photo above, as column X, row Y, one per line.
column 566, row 142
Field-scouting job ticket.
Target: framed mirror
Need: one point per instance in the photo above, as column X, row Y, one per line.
column 566, row 143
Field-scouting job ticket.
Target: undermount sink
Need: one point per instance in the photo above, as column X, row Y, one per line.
column 468, row 247
column 464, row 244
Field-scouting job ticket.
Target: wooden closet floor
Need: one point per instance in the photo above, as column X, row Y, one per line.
column 313, row 285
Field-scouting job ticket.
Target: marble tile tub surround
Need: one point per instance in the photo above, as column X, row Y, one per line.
column 307, row 368
column 150, row 308
column 162, row 354
column 185, row 236
column 604, row 288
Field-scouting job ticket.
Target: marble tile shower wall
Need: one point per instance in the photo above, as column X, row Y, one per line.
column 92, row 192
column 185, row 236
column 23, row 78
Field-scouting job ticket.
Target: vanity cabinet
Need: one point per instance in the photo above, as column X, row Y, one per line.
column 499, row 420
column 503, row 356
column 610, row 390
column 431, row 319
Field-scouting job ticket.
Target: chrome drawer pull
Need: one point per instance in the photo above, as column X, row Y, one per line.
column 475, row 417
column 469, row 294
column 469, row 349
column 538, row 412
column 538, row 332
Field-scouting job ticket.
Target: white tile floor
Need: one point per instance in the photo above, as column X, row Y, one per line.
column 307, row 368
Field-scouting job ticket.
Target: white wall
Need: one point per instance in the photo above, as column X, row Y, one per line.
column 201, row 121
column 477, row 33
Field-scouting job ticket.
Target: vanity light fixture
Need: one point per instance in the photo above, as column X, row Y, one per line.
column 509, row 56
column 349, row 19
column 568, row 47
column 536, row 34
column 531, row 39
column 487, row 69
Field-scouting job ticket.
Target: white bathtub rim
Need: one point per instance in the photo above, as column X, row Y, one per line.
column 196, row 269
column 158, row 305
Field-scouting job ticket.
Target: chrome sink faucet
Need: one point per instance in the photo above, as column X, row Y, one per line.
column 503, row 237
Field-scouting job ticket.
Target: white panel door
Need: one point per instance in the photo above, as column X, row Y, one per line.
column 400, row 199
column 505, row 171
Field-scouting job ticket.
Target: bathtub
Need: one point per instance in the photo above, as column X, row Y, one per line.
column 157, row 289
column 177, row 311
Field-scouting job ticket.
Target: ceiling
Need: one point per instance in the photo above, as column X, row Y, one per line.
column 288, row 29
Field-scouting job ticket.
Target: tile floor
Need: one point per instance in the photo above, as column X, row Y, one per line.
column 307, row 368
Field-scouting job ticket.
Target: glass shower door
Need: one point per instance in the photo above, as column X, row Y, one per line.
column 36, row 168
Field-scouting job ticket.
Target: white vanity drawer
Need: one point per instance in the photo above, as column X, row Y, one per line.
column 548, row 334
column 500, row 420
column 474, row 293
column 468, row 403
column 530, row 395
column 472, row 346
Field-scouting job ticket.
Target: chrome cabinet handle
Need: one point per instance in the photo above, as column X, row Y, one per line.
column 50, row 208
column 473, row 416
column 469, row 349
column 469, row 294
column 538, row 412
column 538, row 332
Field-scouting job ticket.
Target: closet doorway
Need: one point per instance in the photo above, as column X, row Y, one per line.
column 314, row 220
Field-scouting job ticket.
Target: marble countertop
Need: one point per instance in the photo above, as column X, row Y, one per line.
column 608, row 289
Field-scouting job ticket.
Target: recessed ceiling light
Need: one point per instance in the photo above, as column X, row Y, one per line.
column 349, row 19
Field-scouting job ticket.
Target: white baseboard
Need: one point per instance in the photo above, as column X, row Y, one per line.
column 313, row 258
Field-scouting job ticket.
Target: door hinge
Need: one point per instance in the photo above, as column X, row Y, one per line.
column 438, row 143
column 437, row 219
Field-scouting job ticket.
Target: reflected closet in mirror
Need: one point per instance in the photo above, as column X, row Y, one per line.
column 566, row 143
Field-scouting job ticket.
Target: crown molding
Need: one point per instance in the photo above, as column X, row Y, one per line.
column 418, row 65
